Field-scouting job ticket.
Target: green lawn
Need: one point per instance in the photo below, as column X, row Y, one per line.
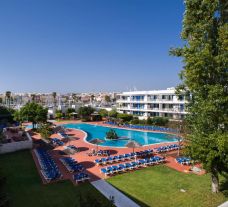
column 25, row 189
column 160, row 186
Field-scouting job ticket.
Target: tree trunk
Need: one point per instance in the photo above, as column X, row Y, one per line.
column 214, row 181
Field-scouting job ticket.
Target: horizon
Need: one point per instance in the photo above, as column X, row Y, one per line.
column 89, row 45
column 80, row 92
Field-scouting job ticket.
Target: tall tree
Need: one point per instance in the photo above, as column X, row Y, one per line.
column 107, row 98
column 85, row 112
column 34, row 113
column 8, row 98
column 205, row 77
column 33, row 97
column 54, row 94
column 92, row 98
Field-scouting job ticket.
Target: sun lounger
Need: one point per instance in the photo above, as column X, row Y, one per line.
column 49, row 169
column 134, row 165
column 81, row 177
column 122, row 166
column 128, row 166
column 105, row 171
column 114, row 169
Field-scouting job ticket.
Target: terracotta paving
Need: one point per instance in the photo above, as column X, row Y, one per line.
column 77, row 139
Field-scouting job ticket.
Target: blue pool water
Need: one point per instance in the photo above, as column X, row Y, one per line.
column 144, row 138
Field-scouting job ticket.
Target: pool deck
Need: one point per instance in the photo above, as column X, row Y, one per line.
column 77, row 139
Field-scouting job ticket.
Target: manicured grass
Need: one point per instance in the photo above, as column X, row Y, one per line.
column 160, row 186
column 25, row 189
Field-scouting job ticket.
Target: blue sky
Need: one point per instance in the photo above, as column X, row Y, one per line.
column 89, row 45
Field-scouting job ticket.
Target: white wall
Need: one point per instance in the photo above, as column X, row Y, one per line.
column 16, row 146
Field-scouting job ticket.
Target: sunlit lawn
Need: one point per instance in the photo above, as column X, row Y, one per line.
column 160, row 186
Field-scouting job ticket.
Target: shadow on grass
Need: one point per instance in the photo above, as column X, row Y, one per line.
column 139, row 202
column 224, row 187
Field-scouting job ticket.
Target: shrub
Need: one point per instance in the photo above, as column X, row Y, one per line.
column 45, row 131
column 149, row 121
column 160, row 121
column 142, row 122
column 85, row 112
column 113, row 113
column 111, row 134
column 135, row 121
column 103, row 112
column 125, row 117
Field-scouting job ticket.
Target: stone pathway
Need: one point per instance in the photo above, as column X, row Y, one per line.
column 108, row 191
column 224, row 204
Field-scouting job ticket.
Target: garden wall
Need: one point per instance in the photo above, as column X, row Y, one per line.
column 15, row 146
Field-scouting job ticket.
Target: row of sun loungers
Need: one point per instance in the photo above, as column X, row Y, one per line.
column 103, row 152
column 49, row 169
column 81, row 177
column 183, row 160
column 124, row 157
column 63, row 135
column 153, row 128
column 57, row 141
column 132, row 165
column 168, row 148
column 72, row 149
column 99, row 153
column 71, row 164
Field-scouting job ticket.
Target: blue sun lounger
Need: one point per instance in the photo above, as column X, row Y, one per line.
column 116, row 159
column 105, row 171
column 122, row 166
column 114, row 169
column 134, row 164
column 141, row 162
column 81, row 177
column 128, row 166
column 127, row 156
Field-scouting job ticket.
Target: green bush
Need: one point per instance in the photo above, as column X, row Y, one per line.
column 111, row 134
column 58, row 115
column 135, row 121
column 103, row 112
column 113, row 113
column 160, row 121
column 45, row 131
column 125, row 117
column 149, row 121
column 85, row 112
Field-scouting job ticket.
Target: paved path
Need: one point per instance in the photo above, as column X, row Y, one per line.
column 108, row 190
column 224, row 204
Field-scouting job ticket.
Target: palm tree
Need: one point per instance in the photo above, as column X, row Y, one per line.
column 54, row 94
column 74, row 97
column 33, row 96
column 92, row 98
column 8, row 98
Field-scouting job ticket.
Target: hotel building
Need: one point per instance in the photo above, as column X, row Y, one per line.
column 144, row 104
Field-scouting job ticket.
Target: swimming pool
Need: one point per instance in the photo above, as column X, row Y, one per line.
column 144, row 138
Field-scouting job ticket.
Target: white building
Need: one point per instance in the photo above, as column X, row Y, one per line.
column 144, row 104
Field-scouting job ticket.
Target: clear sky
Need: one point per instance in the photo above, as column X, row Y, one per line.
column 89, row 45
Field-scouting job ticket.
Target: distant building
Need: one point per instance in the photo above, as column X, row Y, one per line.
column 144, row 104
